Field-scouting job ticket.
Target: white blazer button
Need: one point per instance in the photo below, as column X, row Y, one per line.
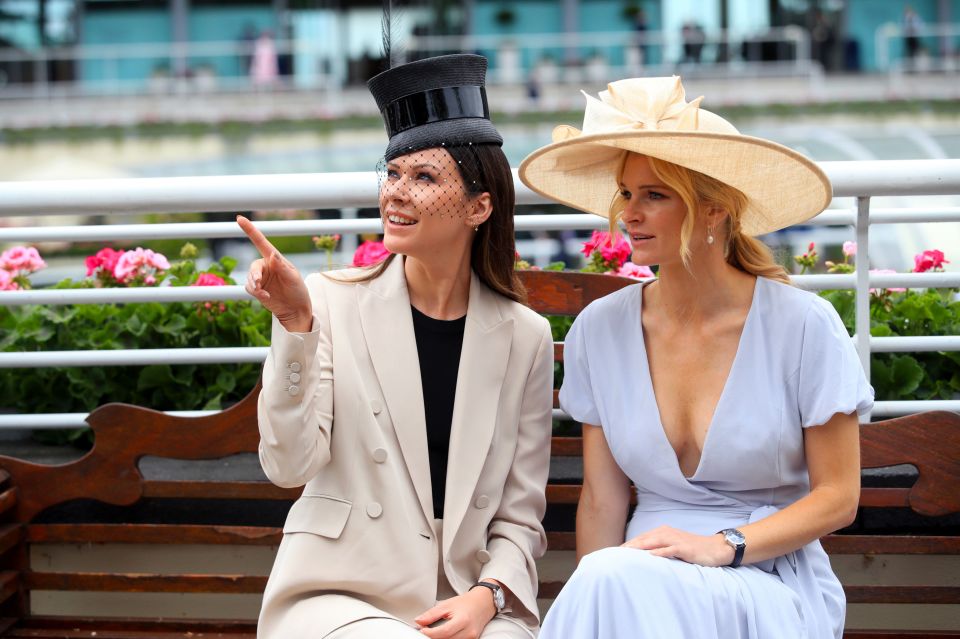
column 380, row 455
column 294, row 378
column 293, row 390
column 295, row 367
column 374, row 510
column 376, row 406
column 483, row 556
column 482, row 501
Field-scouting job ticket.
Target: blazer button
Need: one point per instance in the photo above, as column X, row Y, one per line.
column 482, row 502
column 294, row 378
column 380, row 455
column 293, row 390
column 295, row 367
column 483, row 556
column 376, row 406
column 374, row 510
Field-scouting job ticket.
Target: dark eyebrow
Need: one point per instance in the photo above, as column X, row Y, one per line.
column 394, row 165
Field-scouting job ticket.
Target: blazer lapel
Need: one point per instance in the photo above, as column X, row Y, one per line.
column 388, row 330
column 483, row 364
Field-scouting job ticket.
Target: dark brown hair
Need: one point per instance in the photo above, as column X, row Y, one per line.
column 485, row 169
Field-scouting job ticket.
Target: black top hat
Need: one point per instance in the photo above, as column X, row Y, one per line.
column 434, row 102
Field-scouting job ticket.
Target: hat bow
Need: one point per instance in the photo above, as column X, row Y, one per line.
column 654, row 104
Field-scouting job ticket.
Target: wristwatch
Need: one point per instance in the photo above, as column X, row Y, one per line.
column 739, row 543
column 498, row 599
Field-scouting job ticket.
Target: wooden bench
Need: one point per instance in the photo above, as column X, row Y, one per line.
column 54, row 517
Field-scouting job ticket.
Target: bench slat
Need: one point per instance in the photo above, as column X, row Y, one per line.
column 182, row 489
column 143, row 582
column 902, row 594
column 154, row 534
column 46, row 627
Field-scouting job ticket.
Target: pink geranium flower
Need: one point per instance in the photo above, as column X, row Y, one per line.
column 637, row 272
column 885, row 271
column 849, row 249
column 105, row 259
column 139, row 264
column 22, row 259
column 613, row 248
column 370, row 253
column 209, row 279
column 930, row 259
column 6, row 281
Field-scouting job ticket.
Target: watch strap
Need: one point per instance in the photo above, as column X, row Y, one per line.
column 738, row 548
column 495, row 589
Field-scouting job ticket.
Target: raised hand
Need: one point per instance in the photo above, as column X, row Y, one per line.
column 277, row 284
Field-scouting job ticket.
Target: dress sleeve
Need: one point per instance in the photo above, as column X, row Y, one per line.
column 830, row 375
column 576, row 392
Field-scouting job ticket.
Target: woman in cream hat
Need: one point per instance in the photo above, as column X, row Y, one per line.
column 727, row 397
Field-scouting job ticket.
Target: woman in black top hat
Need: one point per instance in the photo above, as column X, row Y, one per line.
column 412, row 399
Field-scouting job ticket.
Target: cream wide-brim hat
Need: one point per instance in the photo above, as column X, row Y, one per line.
column 650, row 116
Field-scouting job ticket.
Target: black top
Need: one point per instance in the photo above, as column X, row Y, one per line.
column 438, row 348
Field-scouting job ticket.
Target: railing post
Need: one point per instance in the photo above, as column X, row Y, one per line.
column 862, row 295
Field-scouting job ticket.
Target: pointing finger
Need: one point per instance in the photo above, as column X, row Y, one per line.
column 259, row 240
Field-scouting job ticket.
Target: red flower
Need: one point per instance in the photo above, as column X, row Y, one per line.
column 930, row 259
column 105, row 258
column 370, row 253
column 614, row 249
column 209, row 279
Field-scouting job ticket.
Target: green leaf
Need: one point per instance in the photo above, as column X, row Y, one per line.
column 907, row 375
column 214, row 403
column 154, row 376
column 226, row 381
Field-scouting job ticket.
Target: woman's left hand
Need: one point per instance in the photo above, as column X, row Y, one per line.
column 466, row 616
column 664, row 541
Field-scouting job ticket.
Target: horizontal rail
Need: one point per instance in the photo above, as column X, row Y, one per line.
column 920, row 344
column 136, row 356
column 54, row 421
column 257, row 354
column 51, row 297
column 568, row 221
column 359, row 189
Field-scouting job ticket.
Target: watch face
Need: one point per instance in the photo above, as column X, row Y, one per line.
column 735, row 537
column 498, row 599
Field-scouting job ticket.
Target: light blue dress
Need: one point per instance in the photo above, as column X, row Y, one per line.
column 795, row 368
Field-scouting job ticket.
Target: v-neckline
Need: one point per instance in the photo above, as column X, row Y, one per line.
column 723, row 392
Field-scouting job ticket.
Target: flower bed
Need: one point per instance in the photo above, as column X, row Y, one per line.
column 895, row 376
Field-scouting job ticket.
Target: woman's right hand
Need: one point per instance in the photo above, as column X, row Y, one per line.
column 277, row 284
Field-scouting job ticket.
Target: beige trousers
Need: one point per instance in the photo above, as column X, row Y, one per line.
column 386, row 628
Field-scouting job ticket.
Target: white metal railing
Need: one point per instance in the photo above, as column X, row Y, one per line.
column 205, row 67
column 943, row 59
column 308, row 191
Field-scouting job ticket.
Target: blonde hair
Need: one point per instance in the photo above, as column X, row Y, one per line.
column 696, row 189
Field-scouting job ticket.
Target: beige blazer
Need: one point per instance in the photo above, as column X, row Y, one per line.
column 341, row 411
